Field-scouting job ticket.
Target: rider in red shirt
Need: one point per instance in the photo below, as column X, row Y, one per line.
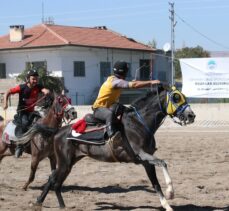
column 28, row 96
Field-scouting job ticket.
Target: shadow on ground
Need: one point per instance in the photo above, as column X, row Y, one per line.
column 188, row 207
column 107, row 189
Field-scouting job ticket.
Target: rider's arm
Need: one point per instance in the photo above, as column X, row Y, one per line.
column 6, row 97
column 120, row 83
column 8, row 93
column 141, row 84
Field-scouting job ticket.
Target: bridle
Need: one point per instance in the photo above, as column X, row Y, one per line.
column 59, row 112
column 170, row 101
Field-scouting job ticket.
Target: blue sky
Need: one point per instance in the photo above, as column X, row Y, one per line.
column 199, row 22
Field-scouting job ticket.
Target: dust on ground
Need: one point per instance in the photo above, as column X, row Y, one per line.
column 198, row 162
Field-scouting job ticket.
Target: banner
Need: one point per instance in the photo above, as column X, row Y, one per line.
column 205, row 77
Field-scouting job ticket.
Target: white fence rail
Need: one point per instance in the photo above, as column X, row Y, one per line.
column 207, row 115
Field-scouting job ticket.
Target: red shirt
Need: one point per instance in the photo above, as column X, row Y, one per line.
column 27, row 96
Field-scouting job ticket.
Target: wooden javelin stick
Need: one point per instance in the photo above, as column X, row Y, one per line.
column 4, row 117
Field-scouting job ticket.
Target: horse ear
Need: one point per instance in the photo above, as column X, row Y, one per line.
column 166, row 86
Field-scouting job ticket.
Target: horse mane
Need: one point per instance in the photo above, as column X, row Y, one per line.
column 149, row 96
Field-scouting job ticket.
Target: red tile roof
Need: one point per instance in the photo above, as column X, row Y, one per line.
column 45, row 35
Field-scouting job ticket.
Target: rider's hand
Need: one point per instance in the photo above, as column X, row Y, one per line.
column 155, row 82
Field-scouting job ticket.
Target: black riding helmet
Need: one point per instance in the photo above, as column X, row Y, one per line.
column 32, row 72
column 120, row 68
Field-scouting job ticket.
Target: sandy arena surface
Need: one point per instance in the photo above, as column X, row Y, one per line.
column 198, row 161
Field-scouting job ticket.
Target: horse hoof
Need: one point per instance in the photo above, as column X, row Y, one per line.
column 169, row 195
column 36, row 206
column 169, row 209
column 24, row 188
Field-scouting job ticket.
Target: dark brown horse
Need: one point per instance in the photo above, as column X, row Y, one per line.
column 135, row 143
column 38, row 140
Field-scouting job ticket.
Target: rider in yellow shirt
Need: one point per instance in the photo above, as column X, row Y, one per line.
column 110, row 92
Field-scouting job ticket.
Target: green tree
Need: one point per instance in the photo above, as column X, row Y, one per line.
column 186, row 52
column 52, row 83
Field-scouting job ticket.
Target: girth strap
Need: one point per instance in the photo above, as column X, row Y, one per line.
column 129, row 149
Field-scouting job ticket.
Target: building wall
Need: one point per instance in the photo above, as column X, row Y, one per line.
column 60, row 61
column 16, row 60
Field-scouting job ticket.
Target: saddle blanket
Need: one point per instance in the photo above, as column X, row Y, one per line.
column 92, row 135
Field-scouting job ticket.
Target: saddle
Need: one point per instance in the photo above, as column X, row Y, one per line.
column 89, row 130
column 10, row 131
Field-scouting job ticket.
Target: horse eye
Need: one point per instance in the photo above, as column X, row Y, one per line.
column 176, row 98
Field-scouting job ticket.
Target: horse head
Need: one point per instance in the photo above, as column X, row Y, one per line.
column 62, row 107
column 176, row 106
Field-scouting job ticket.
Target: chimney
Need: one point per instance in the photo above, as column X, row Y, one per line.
column 16, row 33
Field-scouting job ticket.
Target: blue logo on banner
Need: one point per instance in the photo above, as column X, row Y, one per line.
column 211, row 64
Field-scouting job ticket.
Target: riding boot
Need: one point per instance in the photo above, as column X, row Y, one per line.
column 18, row 151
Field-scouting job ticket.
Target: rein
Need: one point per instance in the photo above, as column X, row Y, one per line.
column 32, row 104
column 140, row 118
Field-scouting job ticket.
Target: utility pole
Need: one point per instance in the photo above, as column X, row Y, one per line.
column 42, row 11
column 173, row 24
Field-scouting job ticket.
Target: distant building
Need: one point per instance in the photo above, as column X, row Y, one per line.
column 82, row 56
column 219, row 53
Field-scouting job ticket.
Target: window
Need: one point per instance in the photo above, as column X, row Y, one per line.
column 144, row 69
column 129, row 76
column 162, row 75
column 2, row 70
column 105, row 71
column 79, row 69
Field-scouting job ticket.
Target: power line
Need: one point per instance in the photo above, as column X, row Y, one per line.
column 200, row 33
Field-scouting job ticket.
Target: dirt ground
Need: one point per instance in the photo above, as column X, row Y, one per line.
column 198, row 161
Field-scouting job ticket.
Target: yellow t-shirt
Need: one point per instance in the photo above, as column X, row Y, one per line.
column 110, row 92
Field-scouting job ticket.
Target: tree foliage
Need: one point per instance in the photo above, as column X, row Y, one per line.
column 186, row 52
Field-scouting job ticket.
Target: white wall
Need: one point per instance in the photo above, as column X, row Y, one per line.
column 87, row 87
column 16, row 60
column 62, row 59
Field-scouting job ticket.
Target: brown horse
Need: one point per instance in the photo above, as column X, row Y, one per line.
column 38, row 140
column 135, row 143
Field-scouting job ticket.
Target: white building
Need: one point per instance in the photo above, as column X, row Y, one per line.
column 82, row 56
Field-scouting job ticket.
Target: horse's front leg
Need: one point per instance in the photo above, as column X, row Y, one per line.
column 153, row 161
column 52, row 160
column 34, row 163
column 151, row 172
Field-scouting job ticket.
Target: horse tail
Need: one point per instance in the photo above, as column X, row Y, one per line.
column 37, row 128
column 27, row 136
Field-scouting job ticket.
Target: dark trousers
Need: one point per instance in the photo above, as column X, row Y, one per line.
column 109, row 116
column 24, row 123
column 104, row 114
